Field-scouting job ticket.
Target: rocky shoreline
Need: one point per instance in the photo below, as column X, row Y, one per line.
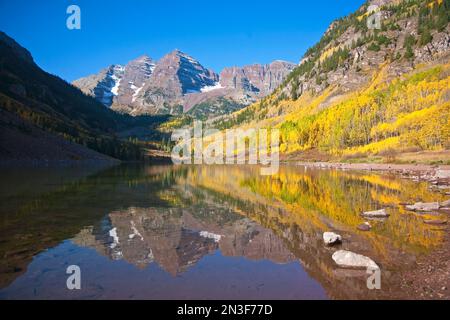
column 430, row 279
column 386, row 167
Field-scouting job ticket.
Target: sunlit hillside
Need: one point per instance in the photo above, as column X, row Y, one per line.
column 362, row 93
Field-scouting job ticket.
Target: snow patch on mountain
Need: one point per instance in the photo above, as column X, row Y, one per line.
column 216, row 86
column 113, row 234
column 210, row 235
column 136, row 91
column 115, row 89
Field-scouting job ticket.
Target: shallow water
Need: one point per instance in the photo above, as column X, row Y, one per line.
column 199, row 232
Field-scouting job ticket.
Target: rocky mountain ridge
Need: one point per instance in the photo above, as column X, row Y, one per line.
column 412, row 32
column 178, row 84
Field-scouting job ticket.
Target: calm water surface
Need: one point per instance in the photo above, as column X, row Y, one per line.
column 153, row 232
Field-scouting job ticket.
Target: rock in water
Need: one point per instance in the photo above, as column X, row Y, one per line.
column 442, row 174
column 435, row 222
column 376, row 214
column 445, row 204
column 350, row 259
column 423, row 206
column 364, row 226
column 331, row 238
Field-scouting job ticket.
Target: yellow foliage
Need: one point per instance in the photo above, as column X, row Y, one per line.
column 372, row 148
column 413, row 112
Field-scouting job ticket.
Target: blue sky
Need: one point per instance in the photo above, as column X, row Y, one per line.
column 217, row 33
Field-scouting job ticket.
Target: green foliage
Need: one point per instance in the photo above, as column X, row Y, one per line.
column 214, row 107
column 442, row 16
column 336, row 60
column 244, row 116
column 430, row 19
column 299, row 71
column 409, row 53
column 374, row 47
column 425, row 37
column 294, row 89
column 382, row 40
column 409, row 41
column 320, row 80
column 393, row 26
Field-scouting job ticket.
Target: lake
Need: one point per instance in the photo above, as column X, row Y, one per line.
column 204, row 232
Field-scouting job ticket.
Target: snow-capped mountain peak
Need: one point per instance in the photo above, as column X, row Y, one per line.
column 178, row 83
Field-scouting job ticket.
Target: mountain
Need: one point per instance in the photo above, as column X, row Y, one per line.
column 178, row 83
column 133, row 78
column 237, row 88
column 45, row 118
column 258, row 79
column 103, row 85
column 175, row 76
column 363, row 92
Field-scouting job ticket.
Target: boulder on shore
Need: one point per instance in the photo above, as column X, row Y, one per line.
column 350, row 259
column 423, row 206
column 331, row 238
column 376, row 214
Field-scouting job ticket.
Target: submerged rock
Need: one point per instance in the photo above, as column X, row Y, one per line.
column 445, row 204
column 423, row 206
column 350, row 259
column 435, row 222
column 376, row 214
column 331, row 238
column 345, row 273
column 364, row 226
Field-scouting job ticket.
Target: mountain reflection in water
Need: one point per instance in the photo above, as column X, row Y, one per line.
column 204, row 232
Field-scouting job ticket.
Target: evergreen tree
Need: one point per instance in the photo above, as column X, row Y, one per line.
column 409, row 53
column 426, row 37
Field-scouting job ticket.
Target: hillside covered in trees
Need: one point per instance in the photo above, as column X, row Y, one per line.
column 363, row 92
column 39, row 111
